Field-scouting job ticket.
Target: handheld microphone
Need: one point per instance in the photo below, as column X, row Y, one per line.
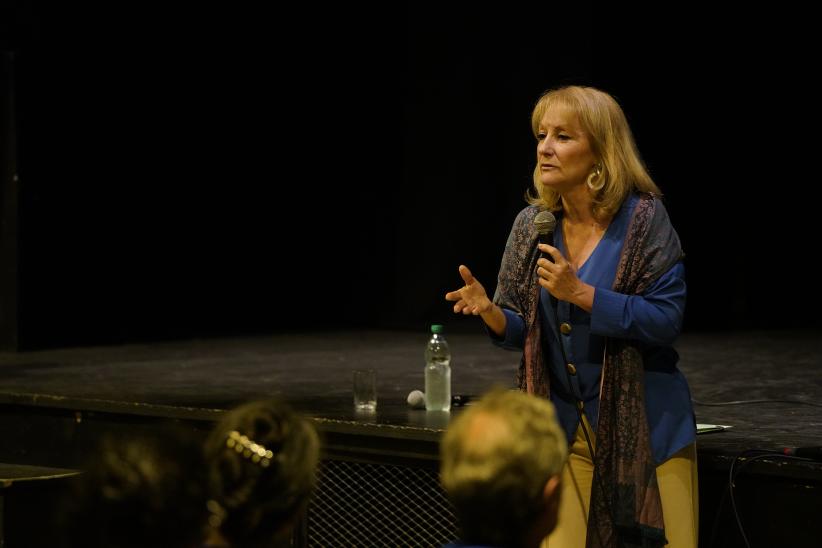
column 813, row 453
column 545, row 223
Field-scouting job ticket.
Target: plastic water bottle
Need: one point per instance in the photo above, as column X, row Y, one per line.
column 437, row 372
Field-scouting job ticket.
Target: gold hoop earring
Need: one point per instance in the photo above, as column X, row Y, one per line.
column 596, row 174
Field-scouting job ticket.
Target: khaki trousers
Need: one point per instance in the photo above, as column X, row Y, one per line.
column 678, row 489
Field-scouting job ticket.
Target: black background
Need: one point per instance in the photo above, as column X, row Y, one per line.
column 196, row 171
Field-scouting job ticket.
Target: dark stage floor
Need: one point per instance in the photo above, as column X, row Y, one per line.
column 313, row 371
column 57, row 403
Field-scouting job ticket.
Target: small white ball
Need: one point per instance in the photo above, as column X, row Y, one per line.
column 416, row 399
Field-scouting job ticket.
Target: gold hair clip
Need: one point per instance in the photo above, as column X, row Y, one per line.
column 250, row 450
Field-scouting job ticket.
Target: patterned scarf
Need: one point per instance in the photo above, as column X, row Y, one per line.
column 625, row 464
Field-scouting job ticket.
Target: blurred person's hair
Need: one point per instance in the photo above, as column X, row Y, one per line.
column 139, row 490
column 262, row 459
column 497, row 457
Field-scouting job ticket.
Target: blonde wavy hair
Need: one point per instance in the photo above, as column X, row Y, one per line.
column 612, row 143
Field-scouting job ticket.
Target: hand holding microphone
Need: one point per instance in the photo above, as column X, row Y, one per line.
column 551, row 266
column 555, row 273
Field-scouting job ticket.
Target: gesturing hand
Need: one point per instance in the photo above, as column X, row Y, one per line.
column 471, row 298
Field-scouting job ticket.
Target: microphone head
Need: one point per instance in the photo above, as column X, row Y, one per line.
column 545, row 222
column 416, row 399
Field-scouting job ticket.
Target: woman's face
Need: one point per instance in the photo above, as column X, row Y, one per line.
column 564, row 155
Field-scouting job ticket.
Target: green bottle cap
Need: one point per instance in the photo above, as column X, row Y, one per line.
column 436, row 328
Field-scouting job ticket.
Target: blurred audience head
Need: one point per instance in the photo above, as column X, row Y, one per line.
column 262, row 459
column 501, row 461
column 139, row 490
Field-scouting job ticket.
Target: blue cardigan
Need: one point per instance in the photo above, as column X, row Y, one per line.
column 654, row 319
